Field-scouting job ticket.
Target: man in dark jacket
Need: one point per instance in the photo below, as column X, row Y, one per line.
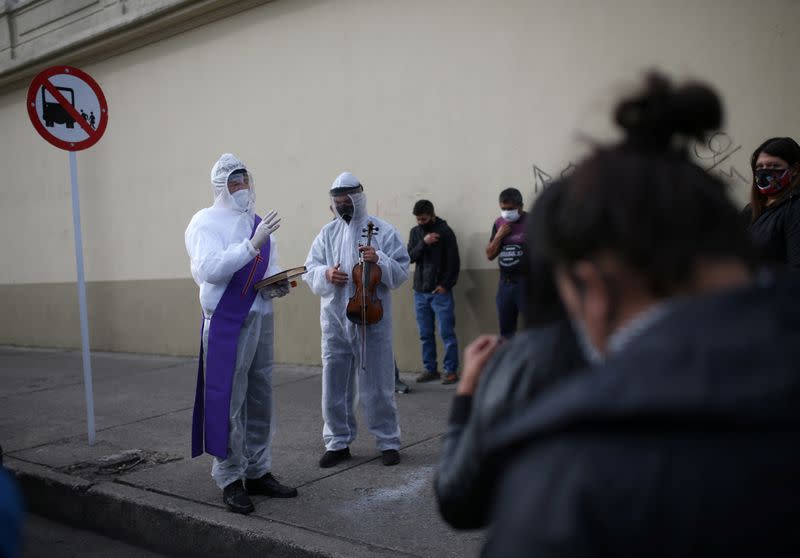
column 433, row 248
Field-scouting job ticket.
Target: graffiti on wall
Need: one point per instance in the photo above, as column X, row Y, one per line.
column 712, row 154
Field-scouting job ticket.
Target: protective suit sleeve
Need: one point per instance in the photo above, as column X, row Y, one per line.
column 393, row 260
column 316, row 266
column 211, row 261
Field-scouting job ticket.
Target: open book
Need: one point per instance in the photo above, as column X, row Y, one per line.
column 280, row 276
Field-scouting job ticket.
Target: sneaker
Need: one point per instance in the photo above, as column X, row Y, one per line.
column 390, row 457
column 269, row 486
column 428, row 377
column 450, row 378
column 334, row 457
column 401, row 387
column 236, row 498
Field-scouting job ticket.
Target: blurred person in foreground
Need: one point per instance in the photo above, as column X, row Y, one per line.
column 11, row 513
column 773, row 214
column 500, row 378
column 681, row 440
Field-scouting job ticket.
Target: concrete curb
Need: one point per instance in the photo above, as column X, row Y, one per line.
column 171, row 525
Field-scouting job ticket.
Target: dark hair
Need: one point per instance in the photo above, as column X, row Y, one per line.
column 423, row 207
column 512, row 196
column 542, row 302
column 642, row 199
column 785, row 148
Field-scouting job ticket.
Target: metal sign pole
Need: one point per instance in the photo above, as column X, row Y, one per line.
column 87, row 363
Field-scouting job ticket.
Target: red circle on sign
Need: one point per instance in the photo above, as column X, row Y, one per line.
column 94, row 135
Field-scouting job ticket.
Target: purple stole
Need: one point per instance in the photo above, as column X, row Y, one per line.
column 212, row 399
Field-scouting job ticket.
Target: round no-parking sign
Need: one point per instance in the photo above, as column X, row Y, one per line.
column 67, row 108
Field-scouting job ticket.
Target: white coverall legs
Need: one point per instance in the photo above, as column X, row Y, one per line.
column 342, row 375
column 251, row 410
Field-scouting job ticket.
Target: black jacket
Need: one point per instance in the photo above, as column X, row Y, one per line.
column 520, row 370
column 686, row 443
column 438, row 263
column 776, row 233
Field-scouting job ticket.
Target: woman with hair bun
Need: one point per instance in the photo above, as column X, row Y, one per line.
column 681, row 439
column 774, row 210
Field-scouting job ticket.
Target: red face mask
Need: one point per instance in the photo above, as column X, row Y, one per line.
column 772, row 181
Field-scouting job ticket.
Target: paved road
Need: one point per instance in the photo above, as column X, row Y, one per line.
column 47, row 539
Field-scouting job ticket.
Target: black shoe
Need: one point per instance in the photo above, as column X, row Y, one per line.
column 236, row 498
column 450, row 378
column 334, row 457
column 269, row 486
column 428, row 377
column 390, row 457
column 401, row 387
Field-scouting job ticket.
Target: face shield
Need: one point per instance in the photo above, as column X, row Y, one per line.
column 240, row 188
column 347, row 198
column 234, row 187
column 344, row 203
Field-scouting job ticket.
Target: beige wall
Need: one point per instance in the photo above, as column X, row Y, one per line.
column 448, row 100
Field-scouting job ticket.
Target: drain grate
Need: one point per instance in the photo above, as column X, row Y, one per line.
column 119, row 463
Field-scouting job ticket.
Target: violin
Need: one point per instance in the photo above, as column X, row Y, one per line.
column 364, row 307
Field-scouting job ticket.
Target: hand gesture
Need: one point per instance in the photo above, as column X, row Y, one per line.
column 475, row 356
column 266, row 227
column 369, row 254
column 276, row 290
column 503, row 231
column 431, row 238
column 439, row 290
column 333, row 275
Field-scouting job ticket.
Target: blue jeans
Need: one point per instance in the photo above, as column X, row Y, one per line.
column 510, row 303
column 437, row 307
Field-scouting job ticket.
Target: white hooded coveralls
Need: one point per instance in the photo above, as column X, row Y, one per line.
column 342, row 370
column 217, row 240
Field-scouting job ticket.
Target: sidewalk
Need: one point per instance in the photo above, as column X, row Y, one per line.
column 139, row 484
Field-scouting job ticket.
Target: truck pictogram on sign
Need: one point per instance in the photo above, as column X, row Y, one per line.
column 67, row 108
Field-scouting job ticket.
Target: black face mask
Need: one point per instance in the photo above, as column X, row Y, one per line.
column 345, row 211
column 428, row 227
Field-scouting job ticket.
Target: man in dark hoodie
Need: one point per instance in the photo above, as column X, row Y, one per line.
column 681, row 441
column 433, row 248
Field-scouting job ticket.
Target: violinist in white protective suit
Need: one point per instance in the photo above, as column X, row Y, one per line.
column 356, row 357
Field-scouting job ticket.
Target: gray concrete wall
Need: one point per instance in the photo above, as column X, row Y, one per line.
column 449, row 100
column 163, row 316
column 38, row 33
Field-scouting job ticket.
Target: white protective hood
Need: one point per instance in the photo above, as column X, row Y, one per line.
column 222, row 169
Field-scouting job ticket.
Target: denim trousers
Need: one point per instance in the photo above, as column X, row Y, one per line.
column 510, row 304
column 431, row 308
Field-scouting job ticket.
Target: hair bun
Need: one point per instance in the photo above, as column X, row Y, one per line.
column 652, row 117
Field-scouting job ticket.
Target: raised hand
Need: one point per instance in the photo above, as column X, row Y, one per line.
column 266, row 227
column 475, row 356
